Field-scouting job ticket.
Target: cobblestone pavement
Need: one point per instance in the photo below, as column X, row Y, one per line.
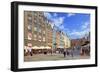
column 49, row 57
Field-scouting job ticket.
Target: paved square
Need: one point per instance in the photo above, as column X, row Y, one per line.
column 54, row 57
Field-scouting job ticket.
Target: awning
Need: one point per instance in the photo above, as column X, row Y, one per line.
column 42, row 47
column 35, row 47
column 60, row 46
column 47, row 47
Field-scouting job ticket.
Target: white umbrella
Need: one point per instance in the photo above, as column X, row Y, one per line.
column 47, row 47
column 35, row 47
column 61, row 47
column 42, row 47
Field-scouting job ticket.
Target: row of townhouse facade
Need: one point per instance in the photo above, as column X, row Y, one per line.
column 38, row 32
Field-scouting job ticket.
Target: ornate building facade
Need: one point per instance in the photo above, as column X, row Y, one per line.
column 38, row 32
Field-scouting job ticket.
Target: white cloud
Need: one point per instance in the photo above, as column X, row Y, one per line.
column 48, row 15
column 70, row 14
column 61, row 27
column 85, row 25
column 58, row 21
column 84, row 29
column 74, row 32
column 79, row 34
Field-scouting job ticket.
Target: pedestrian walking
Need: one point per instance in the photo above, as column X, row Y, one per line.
column 72, row 52
column 30, row 51
column 64, row 53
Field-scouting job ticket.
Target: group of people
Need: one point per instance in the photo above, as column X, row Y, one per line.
column 85, row 50
column 66, row 52
column 80, row 51
column 31, row 51
column 28, row 51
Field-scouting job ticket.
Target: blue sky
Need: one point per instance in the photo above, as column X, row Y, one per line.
column 76, row 25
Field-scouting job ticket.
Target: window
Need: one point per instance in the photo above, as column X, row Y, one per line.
column 39, row 37
column 35, row 28
column 43, row 32
column 35, row 14
column 44, row 39
column 29, row 36
column 35, row 37
column 40, row 30
column 40, row 17
column 29, row 18
column 34, row 20
column 40, row 40
column 29, row 27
